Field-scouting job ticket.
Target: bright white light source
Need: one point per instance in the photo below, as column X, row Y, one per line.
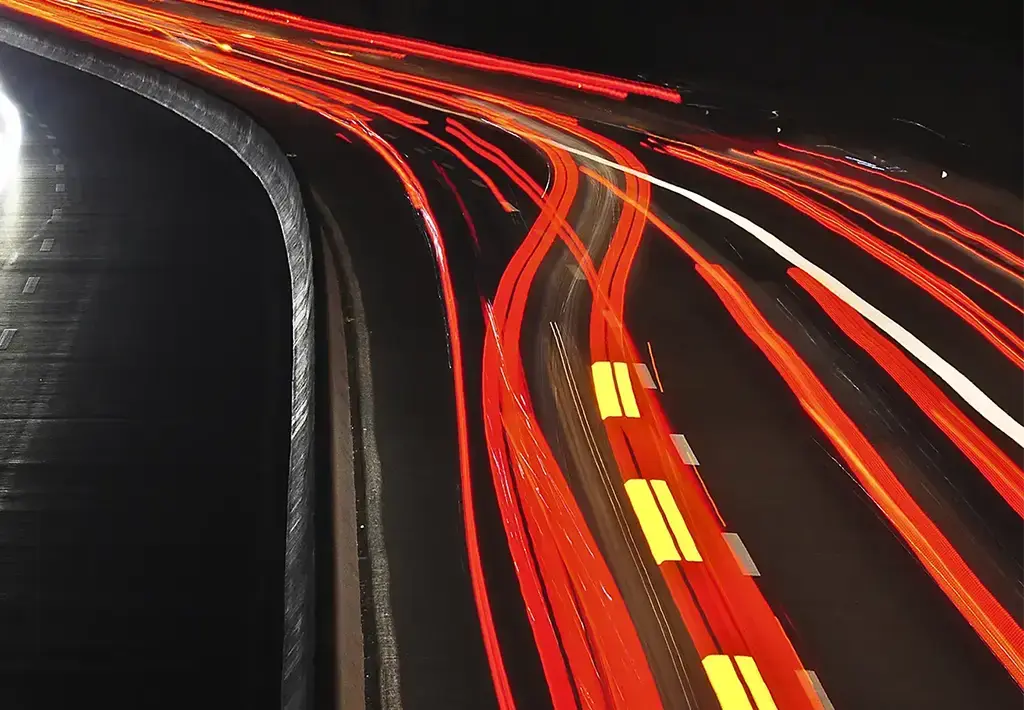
column 944, row 174
column 10, row 143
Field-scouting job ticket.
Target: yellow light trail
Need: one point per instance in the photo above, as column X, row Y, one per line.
column 684, row 539
column 651, row 521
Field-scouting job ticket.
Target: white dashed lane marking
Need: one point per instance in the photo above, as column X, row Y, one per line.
column 46, row 245
column 59, row 187
column 739, row 550
column 813, row 685
column 6, row 337
column 685, row 452
column 30, row 284
column 644, row 375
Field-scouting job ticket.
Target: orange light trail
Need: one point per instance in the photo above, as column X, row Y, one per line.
column 590, row 650
column 582, row 81
column 624, row 679
column 997, row 333
column 863, row 215
column 908, row 183
column 358, row 48
column 862, row 188
column 740, row 620
column 993, row 624
column 996, row 627
column 1004, row 475
column 520, row 273
column 418, row 199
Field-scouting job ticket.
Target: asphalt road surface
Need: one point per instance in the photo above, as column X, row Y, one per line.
column 144, row 382
column 655, row 405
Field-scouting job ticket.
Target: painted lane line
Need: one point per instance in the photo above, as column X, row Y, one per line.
column 46, row 245
column 955, row 379
column 6, row 336
column 56, row 214
column 814, row 688
column 59, row 187
column 739, row 550
column 30, row 284
column 685, row 452
column 50, row 137
column 644, row 375
column 59, row 167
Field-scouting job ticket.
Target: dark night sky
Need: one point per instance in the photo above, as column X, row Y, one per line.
column 954, row 66
column 671, row 36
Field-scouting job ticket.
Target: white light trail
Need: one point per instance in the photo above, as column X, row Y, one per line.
column 956, row 380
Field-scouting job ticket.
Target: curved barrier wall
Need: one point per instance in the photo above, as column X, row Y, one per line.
column 254, row 147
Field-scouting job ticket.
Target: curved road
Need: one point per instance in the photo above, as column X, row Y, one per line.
column 645, row 414
column 143, row 425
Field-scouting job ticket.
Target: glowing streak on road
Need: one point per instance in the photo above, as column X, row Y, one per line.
column 908, row 183
column 651, row 521
column 721, row 607
column 752, row 677
column 956, row 380
column 726, row 683
column 582, row 81
column 1004, row 475
column 418, row 199
column 604, row 390
column 354, row 48
column 996, row 627
column 1002, row 337
column 1000, row 632
column 532, row 458
column 884, row 198
column 684, row 539
column 596, row 632
column 626, row 395
column 945, row 262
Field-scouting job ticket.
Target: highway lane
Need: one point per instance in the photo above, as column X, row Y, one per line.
column 144, row 408
column 829, row 566
column 618, row 615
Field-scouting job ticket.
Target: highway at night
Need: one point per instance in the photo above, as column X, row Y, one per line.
column 622, row 409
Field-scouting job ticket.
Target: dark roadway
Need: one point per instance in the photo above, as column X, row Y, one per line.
column 143, row 409
column 175, row 324
column 830, row 566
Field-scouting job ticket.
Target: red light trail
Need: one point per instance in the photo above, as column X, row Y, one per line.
column 591, row 651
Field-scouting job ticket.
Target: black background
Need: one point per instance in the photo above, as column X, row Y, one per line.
column 955, row 67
